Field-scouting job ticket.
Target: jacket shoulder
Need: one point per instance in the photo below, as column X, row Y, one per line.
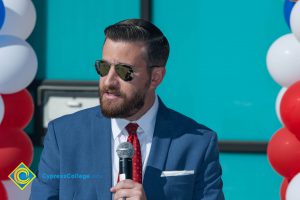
column 186, row 122
column 88, row 112
column 78, row 119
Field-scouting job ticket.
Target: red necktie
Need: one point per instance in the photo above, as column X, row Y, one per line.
column 137, row 158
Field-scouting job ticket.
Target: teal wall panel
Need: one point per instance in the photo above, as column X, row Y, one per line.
column 248, row 177
column 73, row 35
column 217, row 72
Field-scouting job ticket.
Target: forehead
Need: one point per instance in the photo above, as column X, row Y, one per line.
column 123, row 52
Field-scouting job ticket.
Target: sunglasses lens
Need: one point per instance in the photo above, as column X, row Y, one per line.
column 124, row 72
column 102, row 68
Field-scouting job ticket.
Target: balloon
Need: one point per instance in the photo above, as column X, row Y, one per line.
column 19, row 109
column 288, row 6
column 277, row 104
column 20, row 18
column 284, row 153
column 18, row 64
column 295, row 21
column 290, row 109
column 3, row 194
column 1, row 109
column 283, row 188
column 283, row 60
column 2, row 13
column 15, row 147
column 293, row 192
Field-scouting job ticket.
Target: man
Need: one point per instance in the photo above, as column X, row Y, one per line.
column 175, row 157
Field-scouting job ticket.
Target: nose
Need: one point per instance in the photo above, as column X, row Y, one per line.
column 111, row 79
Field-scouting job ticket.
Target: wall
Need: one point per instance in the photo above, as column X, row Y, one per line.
column 216, row 73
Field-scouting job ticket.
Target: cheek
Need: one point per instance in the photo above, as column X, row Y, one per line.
column 130, row 91
column 127, row 90
column 102, row 82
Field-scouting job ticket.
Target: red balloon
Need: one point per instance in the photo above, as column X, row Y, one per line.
column 283, row 188
column 284, row 153
column 3, row 194
column 18, row 109
column 15, row 147
column 290, row 109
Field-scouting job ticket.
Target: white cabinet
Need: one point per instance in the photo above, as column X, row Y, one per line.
column 58, row 98
column 57, row 106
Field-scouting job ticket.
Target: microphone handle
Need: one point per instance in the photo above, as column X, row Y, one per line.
column 125, row 168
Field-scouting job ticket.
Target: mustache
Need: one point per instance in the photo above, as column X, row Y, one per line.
column 111, row 90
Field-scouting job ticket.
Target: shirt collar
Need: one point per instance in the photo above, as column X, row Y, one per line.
column 146, row 122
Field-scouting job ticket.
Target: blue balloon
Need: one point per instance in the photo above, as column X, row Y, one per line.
column 288, row 6
column 2, row 13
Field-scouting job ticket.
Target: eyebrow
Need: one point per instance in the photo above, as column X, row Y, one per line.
column 120, row 63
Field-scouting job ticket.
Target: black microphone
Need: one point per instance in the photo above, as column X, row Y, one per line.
column 125, row 152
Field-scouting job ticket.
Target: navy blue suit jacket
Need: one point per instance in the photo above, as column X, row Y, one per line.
column 76, row 160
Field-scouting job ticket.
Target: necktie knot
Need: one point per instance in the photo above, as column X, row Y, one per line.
column 132, row 128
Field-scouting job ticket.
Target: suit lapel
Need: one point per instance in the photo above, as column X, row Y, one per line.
column 159, row 148
column 101, row 145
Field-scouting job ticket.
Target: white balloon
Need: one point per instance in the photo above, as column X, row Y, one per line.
column 1, row 109
column 14, row 193
column 283, row 60
column 278, row 101
column 20, row 18
column 18, row 64
column 295, row 20
column 292, row 191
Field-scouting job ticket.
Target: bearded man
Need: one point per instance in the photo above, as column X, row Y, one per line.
column 174, row 158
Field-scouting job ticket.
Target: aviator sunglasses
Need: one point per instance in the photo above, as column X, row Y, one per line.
column 125, row 72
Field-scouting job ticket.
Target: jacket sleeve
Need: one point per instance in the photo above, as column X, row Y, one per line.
column 46, row 186
column 209, row 182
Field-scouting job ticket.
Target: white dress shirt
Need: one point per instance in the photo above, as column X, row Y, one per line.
column 144, row 132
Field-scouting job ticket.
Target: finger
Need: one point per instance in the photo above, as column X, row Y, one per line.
column 124, row 193
column 126, row 184
column 135, row 193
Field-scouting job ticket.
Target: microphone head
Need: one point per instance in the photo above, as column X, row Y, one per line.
column 125, row 150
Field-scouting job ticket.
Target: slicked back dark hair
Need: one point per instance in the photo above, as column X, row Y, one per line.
column 140, row 30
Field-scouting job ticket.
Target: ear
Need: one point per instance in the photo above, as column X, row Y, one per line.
column 157, row 75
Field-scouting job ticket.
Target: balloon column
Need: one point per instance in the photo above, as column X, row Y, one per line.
column 17, row 70
column 2, row 13
column 283, row 62
column 288, row 6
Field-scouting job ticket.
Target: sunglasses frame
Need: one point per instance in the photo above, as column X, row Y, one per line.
column 128, row 76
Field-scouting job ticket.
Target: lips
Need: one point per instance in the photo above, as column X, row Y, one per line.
column 111, row 95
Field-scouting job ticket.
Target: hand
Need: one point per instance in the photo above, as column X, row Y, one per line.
column 129, row 189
